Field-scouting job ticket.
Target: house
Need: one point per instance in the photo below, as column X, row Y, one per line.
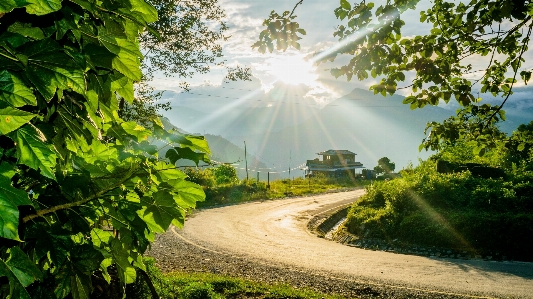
column 335, row 163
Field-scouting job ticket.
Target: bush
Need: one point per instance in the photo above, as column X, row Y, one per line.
column 449, row 210
column 202, row 177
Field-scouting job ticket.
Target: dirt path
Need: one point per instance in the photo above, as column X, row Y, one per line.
column 275, row 233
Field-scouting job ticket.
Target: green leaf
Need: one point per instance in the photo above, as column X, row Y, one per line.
column 141, row 10
column 136, row 130
column 99, row 236
column 127, row 59
column 8, row 5
column 20, row 266
column 12, row 119
column 160, row 212
column 177, row 153
column 43, row 7
column 26, row 30
column 120, row 255
column 346, row 5
column 33, row 151
column 188, row 194
column 80, row 285
column 49, row 69
column 14, row 92
column 10, row 199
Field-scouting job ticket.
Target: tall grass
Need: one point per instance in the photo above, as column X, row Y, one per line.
column 450, row 210
column 247, row 190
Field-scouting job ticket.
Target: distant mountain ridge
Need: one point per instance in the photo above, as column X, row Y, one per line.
column 370, row 125
column 223, row 151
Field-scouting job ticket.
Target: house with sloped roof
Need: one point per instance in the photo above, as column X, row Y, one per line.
column 334, row 163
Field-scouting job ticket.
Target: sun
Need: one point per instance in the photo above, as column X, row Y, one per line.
column 293, row 69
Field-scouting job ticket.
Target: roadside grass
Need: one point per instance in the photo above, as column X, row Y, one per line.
column 250, row 190
column 486, row 217
column 213, row 286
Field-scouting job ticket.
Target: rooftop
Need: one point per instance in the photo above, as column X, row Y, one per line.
column 336, row 152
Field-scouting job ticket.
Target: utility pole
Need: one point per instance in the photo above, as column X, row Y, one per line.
column 245, row 160
column 290, row 153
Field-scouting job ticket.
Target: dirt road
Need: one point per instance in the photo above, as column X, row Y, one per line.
column 275, row 233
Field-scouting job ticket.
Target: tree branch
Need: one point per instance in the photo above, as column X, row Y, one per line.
column 292, row 12
column 69, row 205
column 524, row 46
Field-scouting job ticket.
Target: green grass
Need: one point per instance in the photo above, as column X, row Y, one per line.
column 213, row 286
column 456, row 211
column 249, row 190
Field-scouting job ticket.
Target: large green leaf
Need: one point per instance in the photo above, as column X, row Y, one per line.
column 75, row 281
column 20, row 271
column 13, row 118
column 8, row 5
column 10, row 199
column 33, row 151
column 120, row 255
column 127, row 59
column 141, row 10
column 43, row 7
column 20, row 266
column 177, row 153
column 26, row 30
column 188, row 194
column 136, row 130
column 14, row 92
column 161, row 212
column 49, row 68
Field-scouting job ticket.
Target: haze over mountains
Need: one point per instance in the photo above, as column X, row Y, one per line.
column 283, row 129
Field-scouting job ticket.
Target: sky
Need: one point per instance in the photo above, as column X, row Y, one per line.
column 272, row 72
column 245, row 18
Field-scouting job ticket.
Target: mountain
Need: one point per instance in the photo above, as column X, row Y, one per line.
column 223, row 151
column 287, row 133
column 371, row 126
column 240, row 112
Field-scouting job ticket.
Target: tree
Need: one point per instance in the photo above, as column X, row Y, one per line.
column 435, row 64
column 184, row 41
column 225, row 174
column 384, row 166
column 81, row 189
column 519, row 147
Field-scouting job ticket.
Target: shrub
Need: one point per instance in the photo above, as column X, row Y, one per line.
column 450, row 210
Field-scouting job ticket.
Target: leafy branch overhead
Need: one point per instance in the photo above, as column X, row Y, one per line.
column 436, row 67
column 81, row 188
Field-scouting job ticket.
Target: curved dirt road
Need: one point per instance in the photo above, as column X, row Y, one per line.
column 275, row 232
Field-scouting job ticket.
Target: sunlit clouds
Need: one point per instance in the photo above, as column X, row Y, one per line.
column 291, row 69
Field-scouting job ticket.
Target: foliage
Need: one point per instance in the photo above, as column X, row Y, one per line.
column 225, row 174
column 247, row 190
column 207, row 285
column 83, row 190
column 449, row 210
column 202, row 177
column 384, row 166
column 519, row 147
column 192, row 31
column 437, row 66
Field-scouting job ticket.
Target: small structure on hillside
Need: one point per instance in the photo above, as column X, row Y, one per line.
column 335, row 163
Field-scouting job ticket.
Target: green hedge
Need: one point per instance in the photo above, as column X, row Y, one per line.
column 450, row 210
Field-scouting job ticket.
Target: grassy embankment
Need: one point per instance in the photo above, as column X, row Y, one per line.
column 487, row 217
column 212, row 286
column 248, row 190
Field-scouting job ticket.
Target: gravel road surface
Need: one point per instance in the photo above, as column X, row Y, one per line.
column 269, row 241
